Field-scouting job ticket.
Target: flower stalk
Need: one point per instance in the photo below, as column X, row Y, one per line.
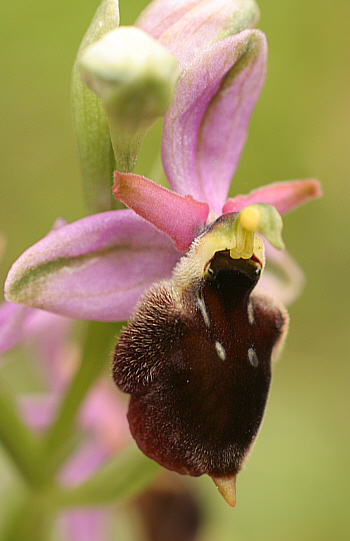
column 96, row 155
column 21, row 445
column 31, row 518
column 121, row 478
column 96, row 349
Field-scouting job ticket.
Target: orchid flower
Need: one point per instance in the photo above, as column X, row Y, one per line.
column 183, row 264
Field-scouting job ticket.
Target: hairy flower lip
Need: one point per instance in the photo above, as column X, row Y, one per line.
column 202, row 352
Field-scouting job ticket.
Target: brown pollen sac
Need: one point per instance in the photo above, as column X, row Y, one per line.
column 197, row 363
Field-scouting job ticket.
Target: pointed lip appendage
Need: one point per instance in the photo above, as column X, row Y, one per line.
column 227, row 488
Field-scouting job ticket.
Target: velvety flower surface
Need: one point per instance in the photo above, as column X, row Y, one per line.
column 196, row 356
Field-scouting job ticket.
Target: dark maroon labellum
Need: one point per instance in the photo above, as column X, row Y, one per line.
column 197, row 363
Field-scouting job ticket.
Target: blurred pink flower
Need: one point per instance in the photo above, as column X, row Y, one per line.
column 102, row 418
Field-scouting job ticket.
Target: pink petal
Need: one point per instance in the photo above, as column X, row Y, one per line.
column 90, row 524
column 50, row 336
column 285, row 196
column 182, row 218
column 206, row 126
column 186, row 27
column 12, row 320
column 89, row 457
column 160, row 15
column 282, row 277
column 95, row 268
column 38, row 410
column 104, row 415
column 55, row 353
column 19, row 324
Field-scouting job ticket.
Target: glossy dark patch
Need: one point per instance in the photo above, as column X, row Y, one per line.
column 197, row 398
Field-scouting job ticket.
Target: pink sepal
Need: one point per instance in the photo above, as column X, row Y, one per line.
column 182, row 218
column 95, row 268
column 187, row 27
column 285, row 196
column 282, row 277
column 206, row 125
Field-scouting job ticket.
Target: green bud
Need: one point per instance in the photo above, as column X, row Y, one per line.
column 90, row 121
column 134, row 77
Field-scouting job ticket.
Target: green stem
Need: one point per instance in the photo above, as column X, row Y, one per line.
column 32, row 511
column 20, row 443
column 30, row 519
column 122, row 477
column 97, row 347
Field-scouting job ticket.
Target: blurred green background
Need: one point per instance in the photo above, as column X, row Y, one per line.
column 297, row 481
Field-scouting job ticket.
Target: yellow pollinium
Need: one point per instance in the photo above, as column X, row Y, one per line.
column 250, row 218
column 246, row 242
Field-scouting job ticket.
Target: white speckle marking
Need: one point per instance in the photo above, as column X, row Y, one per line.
column 253, row 358
column 220, row 350
column 100, row 24
column 250, row 312
column 203, row 309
